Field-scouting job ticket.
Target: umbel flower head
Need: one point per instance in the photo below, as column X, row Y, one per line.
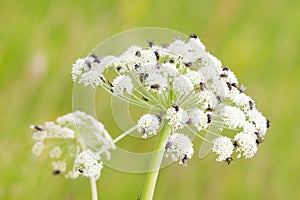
column 185, row 87
column 75, row 143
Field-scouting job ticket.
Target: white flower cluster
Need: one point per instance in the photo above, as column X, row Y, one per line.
column 148, row 125
column 182, row 85
column 185, row 85
column 179, row 147
column 67, row 135
column 233, row 117
column 88, row 164
column 199, row 119
column 55, row 152
column 122, row 84
column 243, row 143
column 59, row 166
column 223, row 147
column 89, row 70
column 177, row 118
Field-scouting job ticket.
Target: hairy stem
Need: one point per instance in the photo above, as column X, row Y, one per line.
column 155, row 164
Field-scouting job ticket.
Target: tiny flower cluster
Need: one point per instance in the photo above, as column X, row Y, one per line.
column 188, row 88
column 148, row 125
column 74, row 142
column 179, row 147
column 88, row 163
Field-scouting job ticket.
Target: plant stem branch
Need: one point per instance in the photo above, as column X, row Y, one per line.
column 155, row 164
column 117, row 139
column 93, row 188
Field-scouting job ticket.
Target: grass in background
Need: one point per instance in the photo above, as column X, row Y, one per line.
column 258, row 40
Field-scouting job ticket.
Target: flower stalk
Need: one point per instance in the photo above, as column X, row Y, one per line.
column 93, row 188
column 155, row 164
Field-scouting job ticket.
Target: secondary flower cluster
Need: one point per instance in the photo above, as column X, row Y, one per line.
column 75, row 143
column 185, row 87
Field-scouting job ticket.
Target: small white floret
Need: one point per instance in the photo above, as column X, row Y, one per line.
column 233, row 117
column 88, row 163
column 258, row 120
column 177, row 119
column 55, row 152
column 223, row 147
column 122, row 84
column 246, row 145
column 60, row 166
column 37, row 148
column 148, row 125
column 179, row 148
column 199, row 119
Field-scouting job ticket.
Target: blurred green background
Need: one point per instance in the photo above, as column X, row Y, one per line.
column 259, row 40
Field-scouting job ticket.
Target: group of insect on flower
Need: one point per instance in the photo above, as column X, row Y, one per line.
column 181, row 85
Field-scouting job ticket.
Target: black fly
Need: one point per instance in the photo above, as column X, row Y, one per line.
column 156, row 55
column 96, row 58
column 158, row 65
column 223, row 75
column 188, row 64
column 202, row 86
column 229, row 85
column 268, row 123
column 150, row 43
column 208, row 118
column 209, row 108
column 184, row 160
column 138, row 54
column 155, row 86
column 234, row 85
column 119, row 68
column 37, row 128
column 260, row 138
column 169, row 143
column 143, row 77
column 56, row 172
column 88, row 63
column 251, row 105
column 176, row 107
column 225, row 69
column 159, row 117
column 229, row 160
column 193, row 36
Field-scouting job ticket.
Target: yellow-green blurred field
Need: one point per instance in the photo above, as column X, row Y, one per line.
column 259, row 40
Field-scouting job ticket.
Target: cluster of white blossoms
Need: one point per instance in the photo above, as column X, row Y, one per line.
column 179, row 147
column 188, row 88
column 75, row 143
column 223, row 147
column 148, row 125
column 176, row 117
column 88, row 163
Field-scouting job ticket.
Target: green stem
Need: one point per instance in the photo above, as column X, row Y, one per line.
column 156, row 163
column 93, row 188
